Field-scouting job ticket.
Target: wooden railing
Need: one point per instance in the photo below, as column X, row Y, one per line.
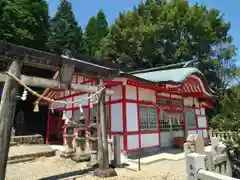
column 206, row 163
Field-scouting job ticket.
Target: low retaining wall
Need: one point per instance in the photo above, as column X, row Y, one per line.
column 29, row 139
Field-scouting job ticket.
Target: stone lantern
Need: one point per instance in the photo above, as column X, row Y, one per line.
column 93, row 144
column 69, row 136
column 80, row 140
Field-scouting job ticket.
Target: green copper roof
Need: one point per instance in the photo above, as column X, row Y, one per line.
column 172, row 75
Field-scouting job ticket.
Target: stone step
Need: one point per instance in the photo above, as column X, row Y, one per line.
column 13, row 161
column 30, row 151
column 13, row 143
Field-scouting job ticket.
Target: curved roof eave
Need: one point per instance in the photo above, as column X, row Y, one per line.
column 173, row 76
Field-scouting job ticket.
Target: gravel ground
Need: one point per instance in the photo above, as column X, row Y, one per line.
column 51, row 168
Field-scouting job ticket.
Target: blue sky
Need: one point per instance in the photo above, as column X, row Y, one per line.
column 84, row 9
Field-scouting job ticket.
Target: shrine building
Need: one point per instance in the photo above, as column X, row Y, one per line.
column 149, row 109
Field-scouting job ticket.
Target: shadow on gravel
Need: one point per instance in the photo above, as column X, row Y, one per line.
column 74, row 174
column 69, row 174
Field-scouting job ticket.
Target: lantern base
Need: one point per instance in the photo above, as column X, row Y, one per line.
column 69, row 151
column 81, row 157
column 93, row 160
column 67, row 155
column 104, row 172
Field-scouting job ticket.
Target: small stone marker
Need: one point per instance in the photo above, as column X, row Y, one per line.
column 195, row 143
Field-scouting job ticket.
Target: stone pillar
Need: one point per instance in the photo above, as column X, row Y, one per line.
column 69, row 136
column 194, row 162
column 94, row 152
column 116, row 151
column 12, row 142
column 93, row 145
column 81, row 153
column 194, row 144
column 80, row 140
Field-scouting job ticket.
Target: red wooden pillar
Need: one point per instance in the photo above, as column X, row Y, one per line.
column 194, row 110
column 110, row 117
column 158, row 120
column 124, row 115
column 139, row 121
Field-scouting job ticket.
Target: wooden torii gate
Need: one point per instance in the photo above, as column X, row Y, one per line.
column 18, row 56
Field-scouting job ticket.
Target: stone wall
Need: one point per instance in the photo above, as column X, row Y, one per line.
column 29, row 139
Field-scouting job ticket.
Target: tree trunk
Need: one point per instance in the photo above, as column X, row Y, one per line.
column 7, row 111
column 102, row 131
column 103, row 122
column 103, row 158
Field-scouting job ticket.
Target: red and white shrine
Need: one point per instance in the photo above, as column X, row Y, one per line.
column 148, row 109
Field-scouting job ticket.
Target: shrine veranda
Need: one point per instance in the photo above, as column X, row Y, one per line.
column 147, row 109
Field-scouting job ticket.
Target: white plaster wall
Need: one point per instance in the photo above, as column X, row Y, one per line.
column 106, row 98
column 148, row 140
column 82, row 97
column 178, row 133
column 116, row 117
column 176, row 96
column 188, row 101
column 68, row 100
column 133, row 142
column 203, row 112
column 117, row 93
column 166, row 139
column 132, row 117
column 164, row 94
column 121, row 143
column 147, row 95
column 198, row 111
column 131, row 92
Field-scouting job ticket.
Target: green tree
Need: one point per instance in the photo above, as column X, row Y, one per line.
column 65, row 33
column 96, row 30
column 90, row 35
column 159, row 33
column 229, row 120
column 24, row 22
column 238, row 71
column 229, row 117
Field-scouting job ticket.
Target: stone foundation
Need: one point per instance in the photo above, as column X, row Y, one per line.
column 29, row 139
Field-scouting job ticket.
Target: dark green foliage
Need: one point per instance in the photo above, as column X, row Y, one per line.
column 65, row 34
column 155, row 34
column 96, row 30
column 228, row 120
column 238, row 72
column 24, row 22
column 229, row 117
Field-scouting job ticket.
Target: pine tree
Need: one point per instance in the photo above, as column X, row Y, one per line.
column 96, row 30
column 90, row 35
column 24, row 22
column 65, row 33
